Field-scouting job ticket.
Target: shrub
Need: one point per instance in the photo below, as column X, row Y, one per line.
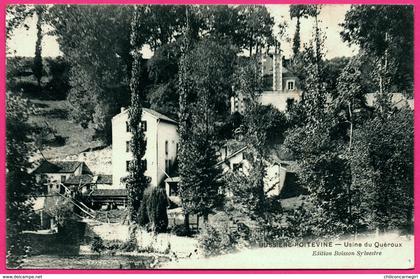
column 97, row 245
column 142, row 218
column 59, row 73
column 218, row 239
column 129, row 246
column 113, row 244
column 180, row 230
column 153, row 209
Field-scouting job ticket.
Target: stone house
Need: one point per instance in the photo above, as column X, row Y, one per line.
column 54, row 174
column 161, row 147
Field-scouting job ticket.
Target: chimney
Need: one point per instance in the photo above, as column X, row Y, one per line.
column 277, row 72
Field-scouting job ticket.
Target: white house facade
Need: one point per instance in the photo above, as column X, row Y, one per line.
column 280, row 85
column 161, row 146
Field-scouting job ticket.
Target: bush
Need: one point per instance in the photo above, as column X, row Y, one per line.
column 142, row 218
column 113, row 244
column 129, row 246
column 153, row 210
column 97, row 245
column 218, row 239
column 181, row 230
column 59, row 73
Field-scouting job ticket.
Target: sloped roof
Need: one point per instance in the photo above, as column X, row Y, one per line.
column 57, row 167
column 233, row 154
column 79, row 179
column 104, row 179
column 159, row 115
column 153, row 113
column 87, row 178
column 109, row 192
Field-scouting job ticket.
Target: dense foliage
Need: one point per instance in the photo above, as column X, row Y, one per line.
column 355, row 161
column 136, row 181
column 152, row 213
column 385, row 33
column 21, row 186
column 200, row 84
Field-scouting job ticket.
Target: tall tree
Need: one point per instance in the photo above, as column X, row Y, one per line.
column 208, row 84
column 318, row 147
column 258, row 27
column 184, row 129
column 383, row 168
column 163, row 71
column 248, row 189
column 16, row 16
column 99, row 59
column 136, row 181
column 161, row 24
column 37, row 67
column 222, row 23
column 385, row 33
column 299, row 12
column 21, row 186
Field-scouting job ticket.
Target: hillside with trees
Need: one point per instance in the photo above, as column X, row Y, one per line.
column 355, row 161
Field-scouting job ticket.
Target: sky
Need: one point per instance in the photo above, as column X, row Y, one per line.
column 22, row 42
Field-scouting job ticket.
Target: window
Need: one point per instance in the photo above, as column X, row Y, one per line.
column 127, row 126
column 144, row 125
column 63, row 178
column 173, row 189
column 290, row 85
column 127, row 146
column 127, row 165
column 167, row 166
column 166, row 147
column 144, row 164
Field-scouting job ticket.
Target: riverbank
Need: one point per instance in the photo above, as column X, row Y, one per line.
column 387, row 251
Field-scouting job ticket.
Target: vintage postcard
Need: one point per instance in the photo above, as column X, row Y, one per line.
column 272, row 136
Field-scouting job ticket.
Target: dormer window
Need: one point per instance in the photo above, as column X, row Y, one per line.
column 290, row 85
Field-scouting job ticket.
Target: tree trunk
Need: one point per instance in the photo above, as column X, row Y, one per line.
column 187, row 221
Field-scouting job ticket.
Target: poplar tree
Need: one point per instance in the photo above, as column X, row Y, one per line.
column 319, row 150
column 200, row 175
column 136, row 181
column 248, row 189
column 184, row 128
column 37, row 67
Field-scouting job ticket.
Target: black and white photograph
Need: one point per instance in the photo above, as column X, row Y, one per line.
column 209, row 136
